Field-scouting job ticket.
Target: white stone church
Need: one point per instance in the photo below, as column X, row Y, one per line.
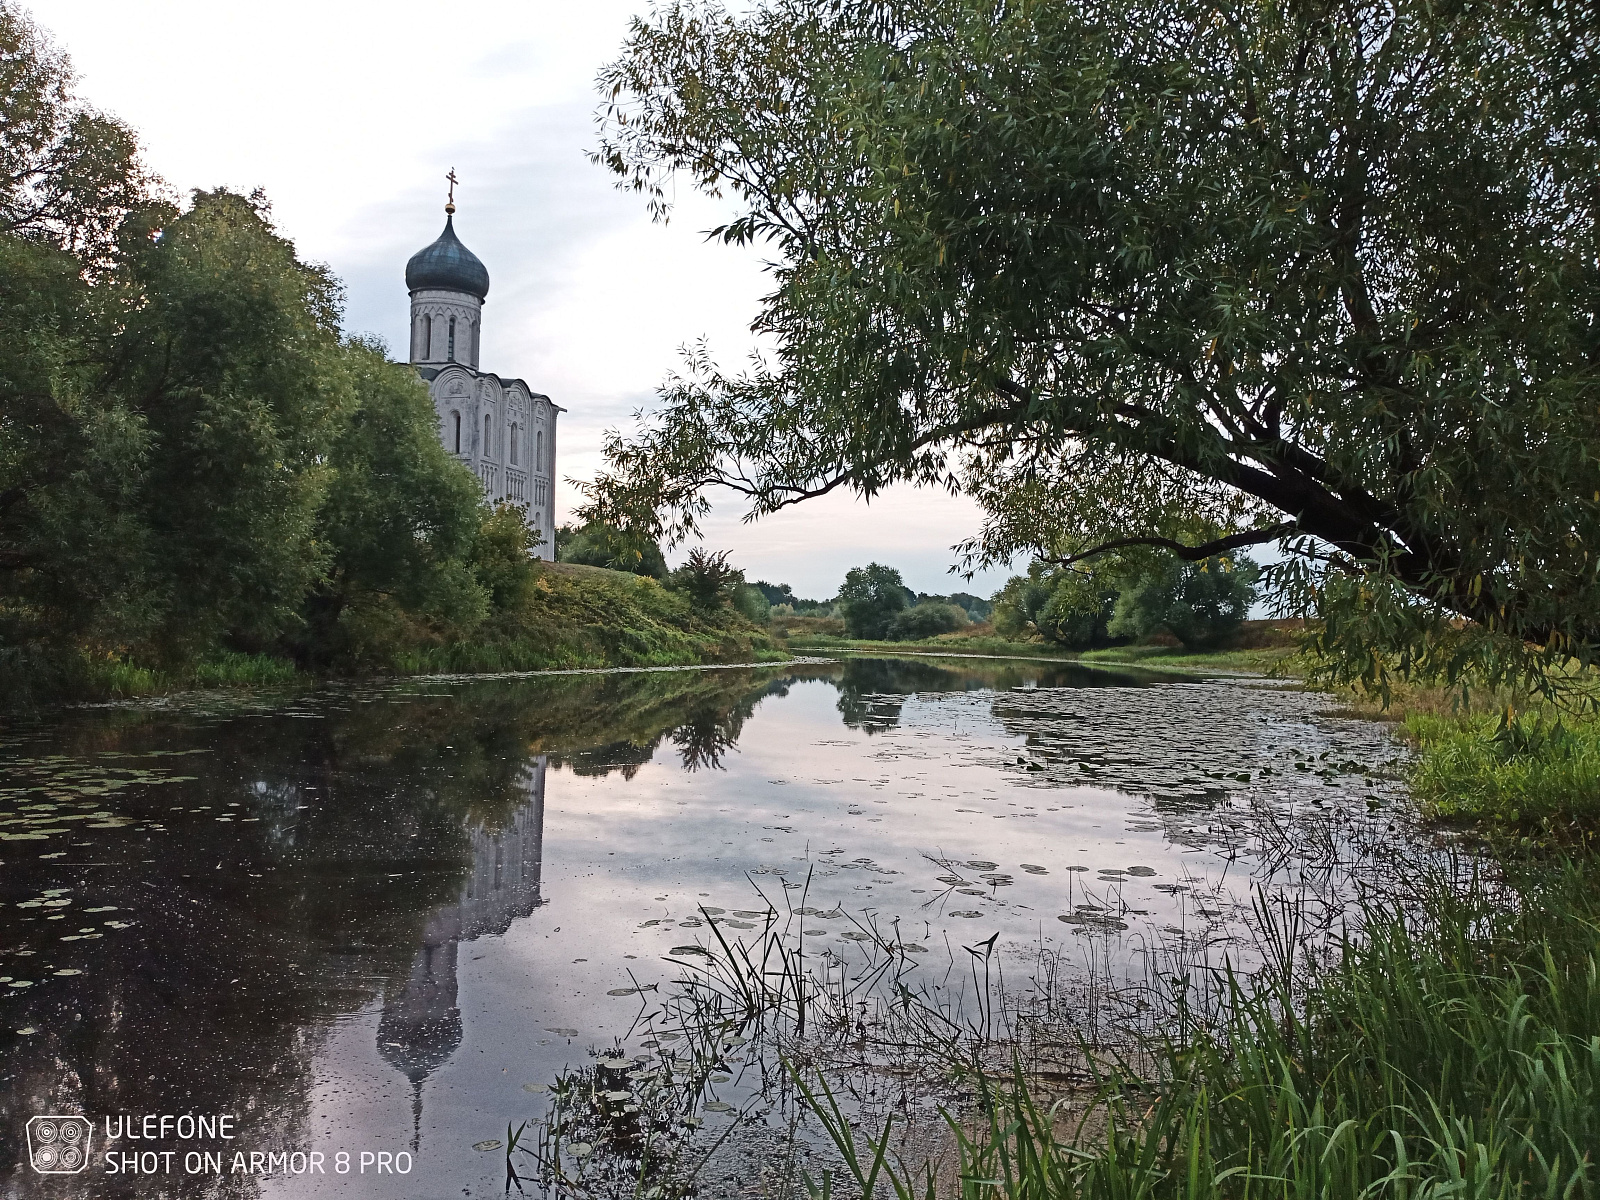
column 501, row 428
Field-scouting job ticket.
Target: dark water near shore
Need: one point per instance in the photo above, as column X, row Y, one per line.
column 361, row 919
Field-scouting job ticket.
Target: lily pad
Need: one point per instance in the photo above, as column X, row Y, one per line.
column 491, row 1144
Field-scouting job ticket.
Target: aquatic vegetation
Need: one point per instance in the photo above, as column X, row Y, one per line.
column 1450, row 1048
column 42, row 796
column 1447, row 1043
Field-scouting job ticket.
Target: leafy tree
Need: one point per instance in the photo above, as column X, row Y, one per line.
column 69, row 175
column 1318, row 274
column 1066, row 607
column 1020, row 601
column 565, row 536
column 1078, row 612
column 403, row 520
column 777, row 593
column 782, row 593
column 709, row 580
column 72, row 550
column 502, row 556
column 871, row 597
column 231, row 346
column 975, row 607
column 929, row 618
column 163, row 432
column 597, row 544
column 1200, row 604
column 191, row 458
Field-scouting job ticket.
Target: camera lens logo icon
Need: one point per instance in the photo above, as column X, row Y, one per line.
column 59, row 1145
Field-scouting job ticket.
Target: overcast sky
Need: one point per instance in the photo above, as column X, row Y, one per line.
column 349, row 114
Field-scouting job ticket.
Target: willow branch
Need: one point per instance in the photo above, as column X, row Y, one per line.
column 1251, row 537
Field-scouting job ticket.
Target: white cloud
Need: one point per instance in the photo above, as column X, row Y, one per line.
column 349, row 114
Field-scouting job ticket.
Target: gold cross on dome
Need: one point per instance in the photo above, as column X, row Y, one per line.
column 451, row 201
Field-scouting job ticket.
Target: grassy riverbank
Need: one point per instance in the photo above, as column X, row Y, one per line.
column 577, row 616
column 570, row 617
column 1262, row 646
column 1532, row 774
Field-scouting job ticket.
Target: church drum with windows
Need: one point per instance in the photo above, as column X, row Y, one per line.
column 501, row 428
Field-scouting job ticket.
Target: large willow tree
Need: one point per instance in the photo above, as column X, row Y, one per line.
column 1182, row 274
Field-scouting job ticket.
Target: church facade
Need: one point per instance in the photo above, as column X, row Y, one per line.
column 501, row 428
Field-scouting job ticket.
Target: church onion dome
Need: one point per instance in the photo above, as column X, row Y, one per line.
column 447, row 266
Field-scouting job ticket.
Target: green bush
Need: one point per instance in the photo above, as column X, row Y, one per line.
column 1021, row 600
column 1066, row 608
column 925, row 620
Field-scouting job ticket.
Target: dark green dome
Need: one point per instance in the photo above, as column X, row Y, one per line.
column 448, row 266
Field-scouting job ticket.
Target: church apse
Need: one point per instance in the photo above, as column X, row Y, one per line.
column 420, row 1026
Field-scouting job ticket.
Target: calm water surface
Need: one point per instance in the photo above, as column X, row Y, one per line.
column 361, row 919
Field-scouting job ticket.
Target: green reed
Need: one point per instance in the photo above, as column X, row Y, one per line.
column 1453, row 1050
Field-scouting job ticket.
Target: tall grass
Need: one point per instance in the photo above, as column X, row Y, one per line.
column 121, row 678
column 1531, row 771
column 1454, row 1051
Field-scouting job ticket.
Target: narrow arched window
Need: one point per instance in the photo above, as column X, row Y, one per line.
column 452, row 339
column 427, row 337
column 455, row 431
column 487, row 428
column 513, row 445
column 538, row 451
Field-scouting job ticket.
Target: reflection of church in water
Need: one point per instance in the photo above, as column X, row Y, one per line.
column 421, row 1024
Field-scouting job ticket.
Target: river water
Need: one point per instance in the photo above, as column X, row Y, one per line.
column 360, row 919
